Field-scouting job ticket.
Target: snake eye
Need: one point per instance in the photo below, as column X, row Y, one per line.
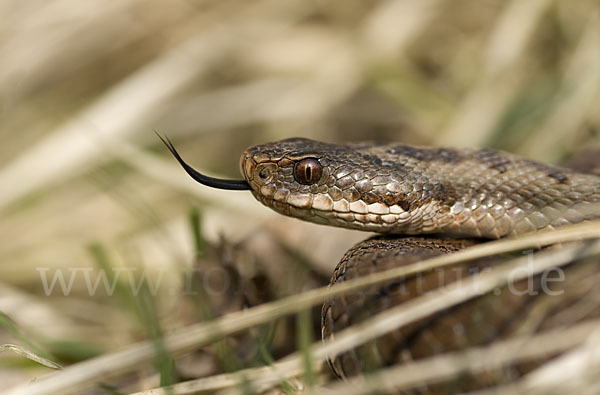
column 308, row 171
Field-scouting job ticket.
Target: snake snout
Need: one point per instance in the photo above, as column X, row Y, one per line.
column 247, row 166
column 258, row 174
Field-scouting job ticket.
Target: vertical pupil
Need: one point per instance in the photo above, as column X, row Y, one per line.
column 307, row 171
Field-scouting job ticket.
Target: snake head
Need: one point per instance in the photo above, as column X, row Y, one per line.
column 291, row 172
column 327, row 183
column 341, row 185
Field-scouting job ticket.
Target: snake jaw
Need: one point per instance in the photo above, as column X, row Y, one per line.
column 233, row 185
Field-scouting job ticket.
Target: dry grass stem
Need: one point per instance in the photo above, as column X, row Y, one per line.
column 87, row 373
column 439, row 368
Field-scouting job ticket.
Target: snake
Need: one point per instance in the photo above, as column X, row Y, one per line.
column 424, row 202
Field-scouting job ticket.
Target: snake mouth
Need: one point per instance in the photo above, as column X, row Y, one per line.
column 219, row 183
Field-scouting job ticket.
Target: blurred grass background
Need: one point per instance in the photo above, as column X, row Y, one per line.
column 86, row 184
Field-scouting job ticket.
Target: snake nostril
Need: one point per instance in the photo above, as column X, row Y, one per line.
column 263, row 174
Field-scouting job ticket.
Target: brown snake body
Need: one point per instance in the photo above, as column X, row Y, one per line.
column 407, row 190
column 404, row 190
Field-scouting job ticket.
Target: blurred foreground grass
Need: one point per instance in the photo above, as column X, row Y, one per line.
column 88, row 189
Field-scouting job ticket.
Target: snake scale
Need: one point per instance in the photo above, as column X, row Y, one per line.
column 458, row 196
